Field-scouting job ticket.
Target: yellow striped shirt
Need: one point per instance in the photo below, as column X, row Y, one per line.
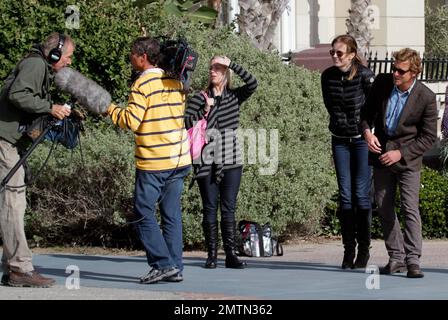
column 155, row 113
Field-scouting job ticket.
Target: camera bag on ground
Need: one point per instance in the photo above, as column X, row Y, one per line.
column 255, row 240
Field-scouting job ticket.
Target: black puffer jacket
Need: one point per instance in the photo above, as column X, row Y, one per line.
column 344, row 98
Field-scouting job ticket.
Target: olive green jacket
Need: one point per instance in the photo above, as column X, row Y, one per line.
column 24, row 96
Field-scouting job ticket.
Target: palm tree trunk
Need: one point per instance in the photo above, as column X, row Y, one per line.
column 258, row 19
column 359, row 25
column 215, row 4
column 221, row 15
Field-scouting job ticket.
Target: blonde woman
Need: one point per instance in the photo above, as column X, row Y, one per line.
column 219, row 169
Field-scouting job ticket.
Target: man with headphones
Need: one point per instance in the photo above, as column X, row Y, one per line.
column 24, row 97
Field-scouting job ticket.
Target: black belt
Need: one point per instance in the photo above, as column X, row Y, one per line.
column 348, row 139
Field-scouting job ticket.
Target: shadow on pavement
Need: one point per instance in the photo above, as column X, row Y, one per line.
column 117, row 259
column 88, row 275
column 196, row 263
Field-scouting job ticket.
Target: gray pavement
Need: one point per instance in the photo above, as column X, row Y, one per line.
column 306, row 271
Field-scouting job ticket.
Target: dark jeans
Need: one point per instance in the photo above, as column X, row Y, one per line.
column 353, row 172
column 162, row 249
column 227, row 190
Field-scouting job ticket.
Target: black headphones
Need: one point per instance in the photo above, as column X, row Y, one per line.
column 55, row 54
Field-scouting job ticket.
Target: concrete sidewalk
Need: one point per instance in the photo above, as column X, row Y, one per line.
column 306, row 271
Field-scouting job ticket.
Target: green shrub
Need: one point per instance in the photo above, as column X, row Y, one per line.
column 106, row 30
column 87, row 203
column 433, row 209
column 434, row 204
column 288, row 99
column 84, row 198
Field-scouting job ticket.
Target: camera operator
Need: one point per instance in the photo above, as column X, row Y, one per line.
column 24, row 97
column 155, row 114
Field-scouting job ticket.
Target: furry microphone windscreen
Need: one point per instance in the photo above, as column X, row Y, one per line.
column 87, row 92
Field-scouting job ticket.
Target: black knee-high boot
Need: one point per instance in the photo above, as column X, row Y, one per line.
column 211, row 241
column 228, row 237
column 347, row 219
column 363, row 226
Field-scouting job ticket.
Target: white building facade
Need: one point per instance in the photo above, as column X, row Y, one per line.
column 307, row 23
column 397, row 24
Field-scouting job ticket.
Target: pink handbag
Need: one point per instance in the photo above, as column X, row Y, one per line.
column 197, row 135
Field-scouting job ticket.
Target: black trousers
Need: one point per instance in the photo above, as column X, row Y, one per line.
column 225, row 193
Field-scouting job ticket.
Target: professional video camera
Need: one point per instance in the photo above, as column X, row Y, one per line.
column 87, row 93
column 65, row 132
column 178, row 60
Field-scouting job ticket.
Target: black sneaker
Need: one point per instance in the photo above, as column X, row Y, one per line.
column 176, row 278
column 155, row 275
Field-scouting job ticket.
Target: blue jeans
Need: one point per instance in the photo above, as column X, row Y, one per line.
column 353, row 172
column 226, row 190
column 162, row 249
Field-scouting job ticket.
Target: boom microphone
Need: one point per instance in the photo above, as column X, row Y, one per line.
column 87, row 92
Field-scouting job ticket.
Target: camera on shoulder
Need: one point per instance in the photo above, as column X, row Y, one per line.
column 178, row 60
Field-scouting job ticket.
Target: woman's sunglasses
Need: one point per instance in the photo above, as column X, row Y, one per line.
column 401, row 72
column 340, row 54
